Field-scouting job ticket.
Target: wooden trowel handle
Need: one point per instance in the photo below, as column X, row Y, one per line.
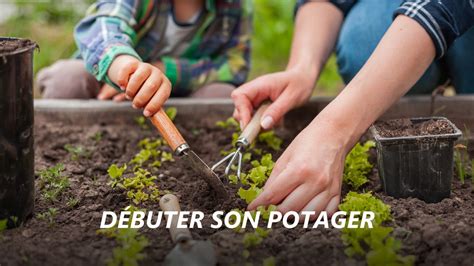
column 167, row 129
column 253, row 128
column 170, row 202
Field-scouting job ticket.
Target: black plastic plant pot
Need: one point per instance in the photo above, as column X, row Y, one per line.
column 417, row 166
column 16, row 130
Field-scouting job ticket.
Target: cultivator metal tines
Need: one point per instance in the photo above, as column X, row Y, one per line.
column 245, row 139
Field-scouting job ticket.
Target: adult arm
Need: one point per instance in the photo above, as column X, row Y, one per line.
column 308, row 175
column 317, row 26
column 443, row 20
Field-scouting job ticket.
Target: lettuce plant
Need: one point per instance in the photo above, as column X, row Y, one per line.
column 130, row 244
column 357, row 165
column 375, row 244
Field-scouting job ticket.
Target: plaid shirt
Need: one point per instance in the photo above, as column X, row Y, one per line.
column 444, row 20
column 218, row 51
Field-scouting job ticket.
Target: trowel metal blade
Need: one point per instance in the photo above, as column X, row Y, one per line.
column 206, row 172
column 192, row 253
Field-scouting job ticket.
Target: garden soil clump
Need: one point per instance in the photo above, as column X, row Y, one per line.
column 438, row 233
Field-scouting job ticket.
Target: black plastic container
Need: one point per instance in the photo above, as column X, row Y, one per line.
column 16, row 133
column 417, row 166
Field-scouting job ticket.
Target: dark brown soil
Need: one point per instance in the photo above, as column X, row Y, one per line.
column 437, row 234
column 7, row 46
column 406, row 127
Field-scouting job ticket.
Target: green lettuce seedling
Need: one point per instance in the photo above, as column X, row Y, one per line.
column 250, row 193
column 265, row 212
column 141, row 157
column 255, row 179
column 3, row 225
column 116, row 172
column 150, row 144
column 130, row 244
column 149, row 151
column 374, row 243
column 354, row 201
column 52, row 183
column 357, row 165
column 255, row 238
column 230, row 123
column 140, row 187
column 271, row 140
column 171, row 112
column 141, row 122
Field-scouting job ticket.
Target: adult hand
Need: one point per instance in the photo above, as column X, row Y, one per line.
column 107, row 92
column 143, row 83
column 286, row 89
column 308, row 175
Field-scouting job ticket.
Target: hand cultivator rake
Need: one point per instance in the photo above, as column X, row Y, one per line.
column 249, row 134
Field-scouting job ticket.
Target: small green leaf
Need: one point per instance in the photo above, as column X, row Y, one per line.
column 171, row 112
column 3, row 225
column 271, row 140
column 249, row 194
column 230, row 123
column 357, row 165
column 116, row 172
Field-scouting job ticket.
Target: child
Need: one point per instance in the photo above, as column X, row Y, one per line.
column 200, row 48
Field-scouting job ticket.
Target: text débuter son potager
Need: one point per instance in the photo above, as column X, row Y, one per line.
column 235, row 219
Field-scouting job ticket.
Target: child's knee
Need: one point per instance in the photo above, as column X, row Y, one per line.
column 214, row 90
column 67, row 79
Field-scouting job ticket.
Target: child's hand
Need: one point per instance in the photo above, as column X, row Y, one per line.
column 107, row 92
column 145, row 84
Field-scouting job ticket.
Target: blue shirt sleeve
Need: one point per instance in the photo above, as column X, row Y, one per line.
column 443, row 20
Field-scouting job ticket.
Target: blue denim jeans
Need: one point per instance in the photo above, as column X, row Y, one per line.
column 364, row 27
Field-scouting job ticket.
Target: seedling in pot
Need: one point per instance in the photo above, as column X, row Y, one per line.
column 415, row 157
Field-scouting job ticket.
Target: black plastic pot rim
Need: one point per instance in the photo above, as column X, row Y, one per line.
column 455, row 135
column 18, row 51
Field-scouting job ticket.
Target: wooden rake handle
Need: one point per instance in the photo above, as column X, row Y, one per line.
column 251, row 131
column 167, row 129
column 170, row 202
